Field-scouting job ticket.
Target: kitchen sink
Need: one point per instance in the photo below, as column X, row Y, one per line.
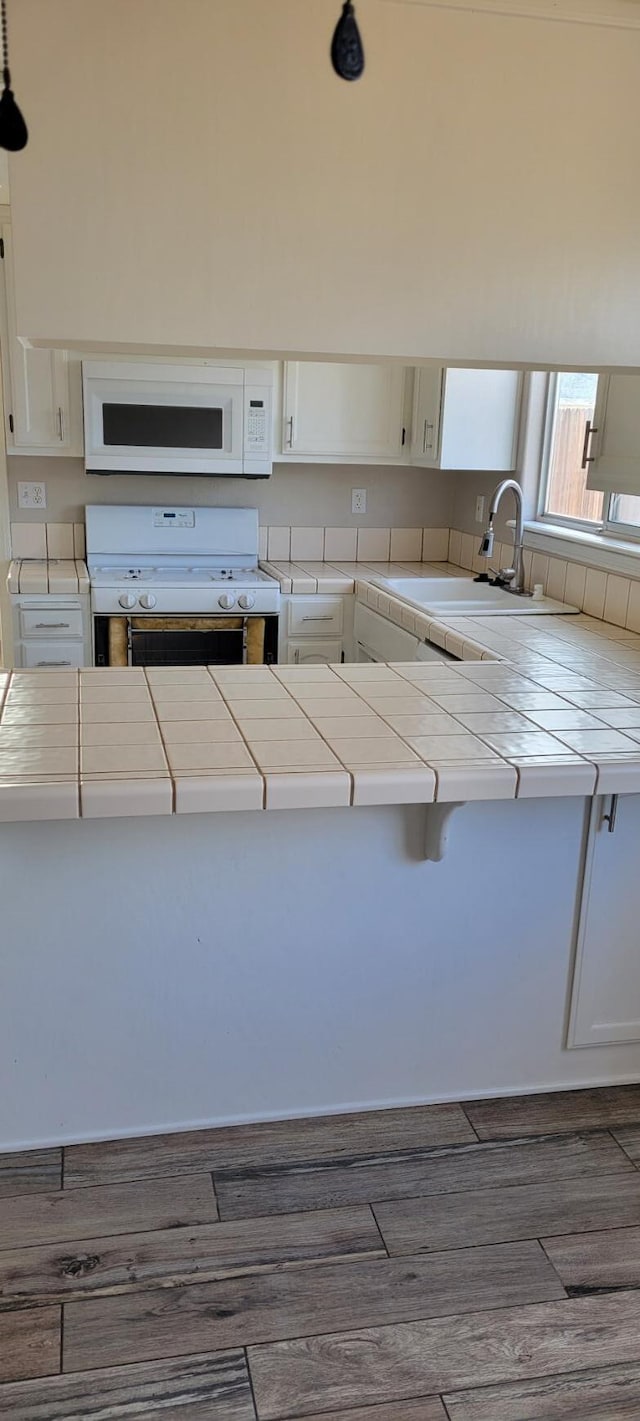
column 463, row 597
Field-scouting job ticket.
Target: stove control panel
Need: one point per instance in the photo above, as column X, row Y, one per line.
column 174, row 518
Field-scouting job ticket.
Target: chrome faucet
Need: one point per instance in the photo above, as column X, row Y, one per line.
column 513, row 576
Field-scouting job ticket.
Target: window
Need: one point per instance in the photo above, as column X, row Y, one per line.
column 564, row 496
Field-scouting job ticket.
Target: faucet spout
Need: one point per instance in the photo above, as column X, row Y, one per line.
column 518, row 540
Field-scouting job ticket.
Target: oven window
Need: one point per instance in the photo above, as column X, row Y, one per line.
column 163, row 426
column 187, row 648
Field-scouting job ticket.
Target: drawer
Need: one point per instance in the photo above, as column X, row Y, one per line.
column 315, row 616
column 54, row 654
column 46, row 622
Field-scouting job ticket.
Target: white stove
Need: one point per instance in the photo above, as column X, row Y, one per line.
column 172, row 561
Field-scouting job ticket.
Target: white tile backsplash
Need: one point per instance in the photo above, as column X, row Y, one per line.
column 374, row 544
column 279, row 544
column 29, row 540
column 595, row 589
column 307, row 544
column 60, row 540
column 616, row 600
column 406, row 544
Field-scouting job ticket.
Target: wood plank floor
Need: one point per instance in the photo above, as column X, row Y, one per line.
column 465, row 1262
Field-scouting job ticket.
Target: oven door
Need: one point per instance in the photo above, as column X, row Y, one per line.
column 162, row 419
column 185, row 641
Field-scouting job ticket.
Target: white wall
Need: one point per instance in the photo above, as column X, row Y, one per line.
column 305, row 494
column 197, row 176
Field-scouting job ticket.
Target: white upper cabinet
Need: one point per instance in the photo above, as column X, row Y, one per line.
column 425, row 425
column 612, row 442
column 382, row 413
column 335, row 412
column 43, row 400
column 466, row 419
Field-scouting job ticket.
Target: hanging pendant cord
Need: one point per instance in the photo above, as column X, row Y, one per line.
column 5, row 47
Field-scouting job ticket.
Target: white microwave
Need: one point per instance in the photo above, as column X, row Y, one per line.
column 177, row 419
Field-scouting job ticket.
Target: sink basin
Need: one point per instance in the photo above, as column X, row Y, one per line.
column 462, row 597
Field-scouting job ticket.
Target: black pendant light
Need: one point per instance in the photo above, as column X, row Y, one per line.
column 13, row 129
column 347, row 52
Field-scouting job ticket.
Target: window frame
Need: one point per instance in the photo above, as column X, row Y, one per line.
column 560, row 520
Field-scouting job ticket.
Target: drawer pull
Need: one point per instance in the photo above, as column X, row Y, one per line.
column 53, row 663
column 330, row 618
column 52, row 626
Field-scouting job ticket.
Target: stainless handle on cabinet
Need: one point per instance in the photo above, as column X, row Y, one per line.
column 587, row 458
column 318, row 619
column 427, row 440
column 60, row 423
column 289, row 439
column 53, row 663
column 58, row 626
column 296, row 654
column 610, row 818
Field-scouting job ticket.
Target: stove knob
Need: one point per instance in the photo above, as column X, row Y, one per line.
column 127, row 600
column 247, row 601
column 148, row 600
column 226, row 601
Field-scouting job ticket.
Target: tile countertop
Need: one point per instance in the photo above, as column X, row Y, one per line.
column 559, row 715
column 33, row 576
column 339, row 578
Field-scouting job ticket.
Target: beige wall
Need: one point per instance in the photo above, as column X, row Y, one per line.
column 197, row 176
column 302, row 494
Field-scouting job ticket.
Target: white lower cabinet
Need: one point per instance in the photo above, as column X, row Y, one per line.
column 605, row 1003
column 315, row 629
column 51, row 632
column 307, row 651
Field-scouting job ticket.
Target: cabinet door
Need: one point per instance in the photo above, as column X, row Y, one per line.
column 613, row 455
column 480, row 420
column 425, row 430
column 605, row 1004
column 42, row 411
column 335, row 411
column 312, row 652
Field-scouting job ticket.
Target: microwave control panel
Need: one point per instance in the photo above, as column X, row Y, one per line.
column 257, row 421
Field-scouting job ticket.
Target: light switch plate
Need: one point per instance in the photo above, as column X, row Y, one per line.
column 480, row 508
column 32, row 495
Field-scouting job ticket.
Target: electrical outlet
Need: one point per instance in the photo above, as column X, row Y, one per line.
column 32, row 495
column 358, row 500
column 480, row 508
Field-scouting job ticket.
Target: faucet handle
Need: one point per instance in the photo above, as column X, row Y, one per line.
column 507, row 574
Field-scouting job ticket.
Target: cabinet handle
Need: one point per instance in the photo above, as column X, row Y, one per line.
column 296, row 654
column 427, row 439
column 60, row 424
column 319, row 619
column 51, row 626
column 53, row 663
column 587, row 458
column 289, row 438
column 610, row 818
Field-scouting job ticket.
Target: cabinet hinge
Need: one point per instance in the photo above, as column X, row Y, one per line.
column 11, row 423
column 404, row 435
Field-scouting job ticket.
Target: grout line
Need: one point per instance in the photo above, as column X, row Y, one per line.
column 61, row 1338
column 467, row 1117
column 215, row 1195
column 382, row 1238
column 245, row 1353
column 561, row 1281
